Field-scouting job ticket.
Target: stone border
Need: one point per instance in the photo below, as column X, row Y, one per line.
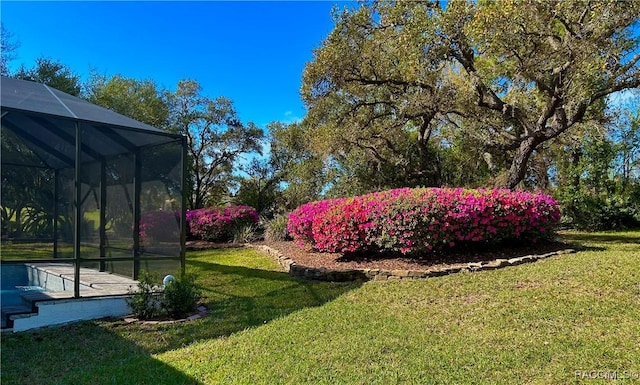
column 324, row 274
column 202, row 311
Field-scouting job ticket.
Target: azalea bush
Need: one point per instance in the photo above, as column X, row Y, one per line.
column 159, row 225
column 419, row 220
column 301, row 219
column 218, row 224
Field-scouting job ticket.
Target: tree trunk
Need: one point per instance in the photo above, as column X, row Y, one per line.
column 518, row 168
column 429, row 163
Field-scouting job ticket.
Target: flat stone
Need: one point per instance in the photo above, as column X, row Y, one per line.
column 194, row 317
column 437, row 273
column 474, row 264
column 400, row 273
column 516, row 261
column 491, row 266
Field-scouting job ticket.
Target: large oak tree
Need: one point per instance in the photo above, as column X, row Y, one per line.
column 513, row 74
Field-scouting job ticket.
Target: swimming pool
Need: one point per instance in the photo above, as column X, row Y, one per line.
column 15, row 281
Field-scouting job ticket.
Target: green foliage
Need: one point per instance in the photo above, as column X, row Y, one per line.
column 52, row 73
column 146, row 301
column 597, row 181
column 584, row 211
column 296, row 165
column 177, row 299
column 180, row 297
column 8, row 47
column 409, row 89
column 142, row 100
column 276, row 229
column 259, row 189
column 216, row 139
column 244, row 233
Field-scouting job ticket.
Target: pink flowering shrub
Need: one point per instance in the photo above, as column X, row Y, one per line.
column 159, row 225
column 421, row 220
column 217, row 224
column 300, row 220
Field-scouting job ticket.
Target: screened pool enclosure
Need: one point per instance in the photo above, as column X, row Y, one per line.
column 87, row 190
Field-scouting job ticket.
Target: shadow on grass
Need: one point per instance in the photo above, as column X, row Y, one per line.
column 82, row 353
column 578, row 239
column 115, row 352
column 238, row 298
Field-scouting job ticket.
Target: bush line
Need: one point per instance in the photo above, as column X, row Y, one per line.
column 423, row 220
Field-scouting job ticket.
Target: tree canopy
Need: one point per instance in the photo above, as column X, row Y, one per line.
column 52, row 73
column 216, row 139
column 400, row 80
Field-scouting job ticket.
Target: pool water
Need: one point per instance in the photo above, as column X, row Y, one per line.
column 12, row 296
column 15, row 282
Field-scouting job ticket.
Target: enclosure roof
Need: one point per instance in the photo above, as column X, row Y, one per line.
column 29, row 96
column 46, row 120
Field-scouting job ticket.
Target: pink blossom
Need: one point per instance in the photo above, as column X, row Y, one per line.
column 402, row 219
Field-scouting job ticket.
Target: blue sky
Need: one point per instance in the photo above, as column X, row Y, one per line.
column 251, row 52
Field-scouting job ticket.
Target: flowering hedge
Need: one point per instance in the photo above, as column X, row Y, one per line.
column 159, row 225
column 418, row 220
column 301, row 219
column 217, row 224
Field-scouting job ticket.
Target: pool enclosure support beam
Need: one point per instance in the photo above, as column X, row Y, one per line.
column 183, row 208
column 103, row 218
column 78, row 212
column 137, row 187
column 56, row 193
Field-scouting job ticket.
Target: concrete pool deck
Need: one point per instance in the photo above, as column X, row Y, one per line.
column 92, row 282
column 102, row 295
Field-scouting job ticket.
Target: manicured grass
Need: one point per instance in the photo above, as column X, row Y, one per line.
column 537, row 323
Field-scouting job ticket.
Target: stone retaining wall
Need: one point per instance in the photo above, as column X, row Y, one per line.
column 323, row 274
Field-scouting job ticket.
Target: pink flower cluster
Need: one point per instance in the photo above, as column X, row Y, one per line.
column 419, row 220
column 301, row 219
column 160, row 225
column 217, row 224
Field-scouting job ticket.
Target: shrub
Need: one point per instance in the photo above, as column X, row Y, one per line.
column 419, row 220
column 181, row 296
column 301, row 219
column 178, row 299
column 145, row 303
column 159, row 225
column 276, row 229
column 591, row 212
column 217, row 224
column 244, row 233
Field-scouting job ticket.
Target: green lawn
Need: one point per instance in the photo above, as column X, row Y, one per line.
column 536, row 323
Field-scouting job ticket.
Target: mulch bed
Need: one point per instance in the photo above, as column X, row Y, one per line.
column 304, row 255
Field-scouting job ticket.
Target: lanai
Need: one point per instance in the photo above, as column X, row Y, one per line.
column 86, row 187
